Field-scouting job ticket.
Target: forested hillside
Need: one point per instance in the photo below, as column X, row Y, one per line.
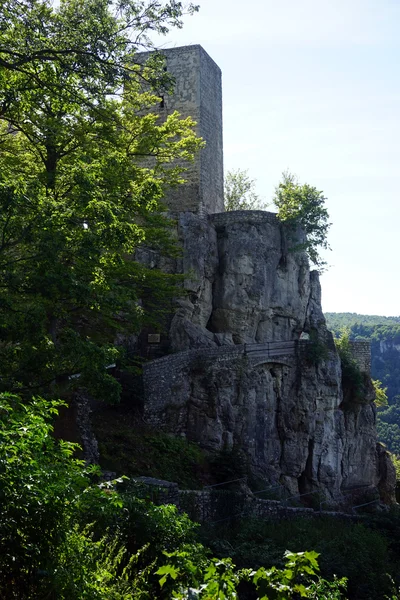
column 384, row 334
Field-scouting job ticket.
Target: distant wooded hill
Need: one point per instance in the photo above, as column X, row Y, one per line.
column 384, row 334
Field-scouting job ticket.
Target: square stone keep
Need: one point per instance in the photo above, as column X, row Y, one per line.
column 197, row 94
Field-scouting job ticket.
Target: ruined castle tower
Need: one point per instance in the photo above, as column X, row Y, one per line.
column 197, row 94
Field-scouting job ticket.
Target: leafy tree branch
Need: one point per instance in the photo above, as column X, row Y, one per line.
column 239, row 192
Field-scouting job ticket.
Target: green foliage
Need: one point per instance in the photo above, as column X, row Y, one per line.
column 90, row 568
column 381, row 398
column 239, row 192
column 396, row 463
column 384, row 335
column 362, row 554
column 187, row 577
column 316, row 350
column 337, row 321
column 387, row 425
column 352, row 378
column 219, row 580
column 294, row 579
column 61, row 534
column 176, row 458
column 302, row 207
column 130, row 447
column 84, row 165
column 45, row 494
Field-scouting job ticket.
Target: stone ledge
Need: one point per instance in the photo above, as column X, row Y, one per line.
column 243, row 216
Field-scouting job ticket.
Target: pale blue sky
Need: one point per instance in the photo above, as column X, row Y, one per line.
column 313, row 87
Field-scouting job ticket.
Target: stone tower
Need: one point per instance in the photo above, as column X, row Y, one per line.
column 197, row 94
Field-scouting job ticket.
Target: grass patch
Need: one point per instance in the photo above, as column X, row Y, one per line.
column 130, row 447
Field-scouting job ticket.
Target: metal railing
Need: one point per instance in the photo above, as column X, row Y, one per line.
column 365, row 504
column 234, row 506
column 207, row 487
column 349, row 492
column 271, row 349
column 271, row 488
column 298, row 496
column 216, row 485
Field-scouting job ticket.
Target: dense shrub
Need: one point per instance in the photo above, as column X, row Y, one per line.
column 360, row 553
column 130, row 447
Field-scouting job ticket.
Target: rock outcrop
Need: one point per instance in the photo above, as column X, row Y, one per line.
column 238, row 375
column 235, row 373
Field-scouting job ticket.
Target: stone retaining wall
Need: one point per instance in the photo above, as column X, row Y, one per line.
column 213, row 506
column 243, row 216
column 161, row 376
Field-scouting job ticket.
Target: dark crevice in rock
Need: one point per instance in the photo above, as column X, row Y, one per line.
column 305, row 480
column 283, row 249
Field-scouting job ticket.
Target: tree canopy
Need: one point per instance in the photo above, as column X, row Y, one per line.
column 239, row 192
column 84, row 165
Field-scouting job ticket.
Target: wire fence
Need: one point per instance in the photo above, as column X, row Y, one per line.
column 279, row 498
column 228, row 500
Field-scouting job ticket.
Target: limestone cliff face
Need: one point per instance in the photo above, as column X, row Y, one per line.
column 243, row 283
column 238, row 376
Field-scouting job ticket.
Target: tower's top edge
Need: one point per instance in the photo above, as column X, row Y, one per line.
column 183, row 49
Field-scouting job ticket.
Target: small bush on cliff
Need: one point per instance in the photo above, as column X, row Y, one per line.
column 304, row 206
column 381, row 398
column 316, row 350
column 352, row 378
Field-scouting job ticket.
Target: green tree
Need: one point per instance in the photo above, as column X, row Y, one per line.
column 63, row 534
column 381, row 398
column 302, row 209
column 218, row 579
column 353, row 381
column 83, row 170
column 239, row 192
column 44, row 491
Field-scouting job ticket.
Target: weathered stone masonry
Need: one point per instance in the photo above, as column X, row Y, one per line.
column 197, row 94
column 361, row 353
